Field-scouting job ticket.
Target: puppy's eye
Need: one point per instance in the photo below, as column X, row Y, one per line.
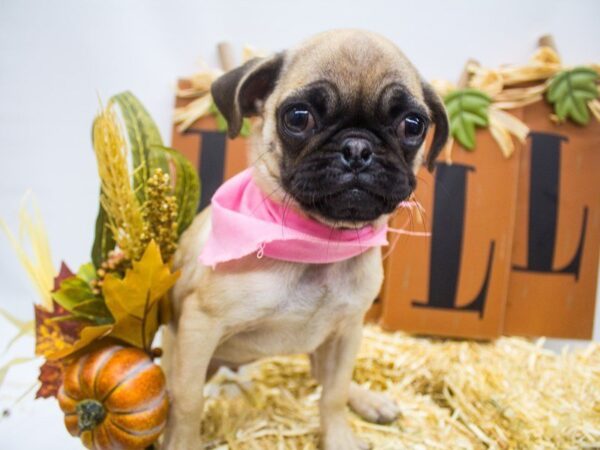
column 411, row 129
column 298, row 119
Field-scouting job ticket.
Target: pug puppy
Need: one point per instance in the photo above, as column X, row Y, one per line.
column 344, row 119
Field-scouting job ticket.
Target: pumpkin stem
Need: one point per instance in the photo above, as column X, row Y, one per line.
column 90, row 413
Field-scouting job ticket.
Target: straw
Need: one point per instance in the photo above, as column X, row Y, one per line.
column 505, row 394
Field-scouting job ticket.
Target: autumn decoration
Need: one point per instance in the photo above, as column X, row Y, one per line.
column 95, row 327
column 483, row 97
column 114, row 397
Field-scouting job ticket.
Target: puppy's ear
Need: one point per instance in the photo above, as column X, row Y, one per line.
column 440, row 120
column 238, row 92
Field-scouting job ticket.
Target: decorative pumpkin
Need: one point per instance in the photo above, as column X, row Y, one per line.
column 114, row 398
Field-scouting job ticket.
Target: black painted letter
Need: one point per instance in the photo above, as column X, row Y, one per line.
column 544, row 188
column 447, row 233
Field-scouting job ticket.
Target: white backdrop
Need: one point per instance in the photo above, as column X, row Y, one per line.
column 57, row 57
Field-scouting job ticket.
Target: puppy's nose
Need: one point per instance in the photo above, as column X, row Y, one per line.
column 357, row 153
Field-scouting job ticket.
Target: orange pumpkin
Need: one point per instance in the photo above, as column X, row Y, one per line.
column 114, row 398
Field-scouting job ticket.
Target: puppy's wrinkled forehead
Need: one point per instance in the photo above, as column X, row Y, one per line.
column 358, row 65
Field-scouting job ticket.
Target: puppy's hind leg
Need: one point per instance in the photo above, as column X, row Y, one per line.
column 196, row 339
column 332, row 365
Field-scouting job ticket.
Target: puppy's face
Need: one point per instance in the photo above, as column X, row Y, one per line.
column 344, row 120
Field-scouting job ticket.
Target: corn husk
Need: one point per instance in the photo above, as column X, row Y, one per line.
column 510, row 393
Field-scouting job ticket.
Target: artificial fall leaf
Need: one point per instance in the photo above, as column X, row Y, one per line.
column 467, row 109
column 143, row 134
column 51, row 376
column 58, row 333
column 133, row 303
column 87, row 335
column 135, row 330
column 133, row 300
column 87, row 272
column 75, row 294
column 63, row 274
column 570, row 91
column 54, row 330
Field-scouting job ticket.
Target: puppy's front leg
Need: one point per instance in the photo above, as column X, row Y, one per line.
column 197, row 337
column 333, row 363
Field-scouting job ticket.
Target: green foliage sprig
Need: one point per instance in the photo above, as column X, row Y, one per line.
column 569, row 92
column 467, row 109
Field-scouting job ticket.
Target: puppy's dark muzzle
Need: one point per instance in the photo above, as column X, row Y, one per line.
column 356, row 153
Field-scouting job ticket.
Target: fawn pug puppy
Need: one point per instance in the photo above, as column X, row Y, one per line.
column 344, row 118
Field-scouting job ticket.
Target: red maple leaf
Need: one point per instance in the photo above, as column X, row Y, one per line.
column 63, row 274
column 51, row 377
column 54, row 329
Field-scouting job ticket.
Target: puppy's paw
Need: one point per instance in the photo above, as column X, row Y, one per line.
column 375, row 407
column 342, row 438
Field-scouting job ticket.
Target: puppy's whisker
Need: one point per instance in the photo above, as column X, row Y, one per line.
column 267, row 197
column 424, row 218
column 261, row 156
column 422, row 213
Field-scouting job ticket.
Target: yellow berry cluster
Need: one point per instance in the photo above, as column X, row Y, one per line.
column 160, row 214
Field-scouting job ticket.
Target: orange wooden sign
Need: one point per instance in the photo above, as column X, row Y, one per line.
column 552, row 289
column 455, row 282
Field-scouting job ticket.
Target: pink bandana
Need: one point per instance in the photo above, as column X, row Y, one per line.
column 245, row 221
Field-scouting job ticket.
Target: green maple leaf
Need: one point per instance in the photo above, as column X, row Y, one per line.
column 467, row 109
column 569, row 92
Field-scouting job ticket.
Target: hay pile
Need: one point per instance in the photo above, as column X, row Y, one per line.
column 454, row 394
